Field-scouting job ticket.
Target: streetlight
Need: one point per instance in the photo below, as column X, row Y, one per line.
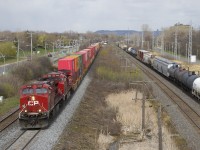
column 3, row 56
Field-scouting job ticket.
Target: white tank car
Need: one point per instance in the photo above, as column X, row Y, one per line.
column 196, row 88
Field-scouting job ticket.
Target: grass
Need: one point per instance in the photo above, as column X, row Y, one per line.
column 107, row 73
column 8, row 104
column 24, row 54
column 110, row 68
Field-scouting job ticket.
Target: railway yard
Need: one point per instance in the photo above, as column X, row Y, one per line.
column 160, row 113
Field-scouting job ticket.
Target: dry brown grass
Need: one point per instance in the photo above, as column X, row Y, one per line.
column 129, row 114
column 104, row 140
column 126, row 109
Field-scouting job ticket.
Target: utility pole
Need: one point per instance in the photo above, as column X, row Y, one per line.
column 31, row 34
column 138, row 40
column 143, row 112
column 186, row 51
column 175, row 46
column 142, row 39
column 190, row 44
column 162, row 42
column 152, row 40
column 160, row 128
column 18, row 52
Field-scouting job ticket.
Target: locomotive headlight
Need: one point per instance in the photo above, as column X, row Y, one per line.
column 32, row 98
column 39, row 110
column 25, row 111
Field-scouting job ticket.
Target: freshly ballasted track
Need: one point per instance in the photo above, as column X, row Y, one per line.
column 9, row 119
column 186, row 109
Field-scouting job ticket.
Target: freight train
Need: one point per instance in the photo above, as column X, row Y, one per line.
column 42, row 99
column 186, row 79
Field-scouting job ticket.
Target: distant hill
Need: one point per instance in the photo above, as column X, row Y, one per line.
column 117, row 32
column 123, row 32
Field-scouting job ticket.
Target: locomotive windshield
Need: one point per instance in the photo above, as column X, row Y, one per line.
column 27, row 91
column 41, row 91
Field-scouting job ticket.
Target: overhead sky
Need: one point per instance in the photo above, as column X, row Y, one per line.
column 92, row 15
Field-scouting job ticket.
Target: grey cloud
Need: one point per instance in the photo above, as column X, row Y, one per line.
column 84, row 15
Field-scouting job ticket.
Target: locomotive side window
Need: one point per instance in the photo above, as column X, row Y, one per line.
column 41, row 91
column 27, row 91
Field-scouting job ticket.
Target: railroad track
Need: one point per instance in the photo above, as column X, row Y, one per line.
column 23, row 140
column 186, row 109
column 9, row 119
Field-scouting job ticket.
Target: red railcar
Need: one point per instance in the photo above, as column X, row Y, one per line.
column 141, row 53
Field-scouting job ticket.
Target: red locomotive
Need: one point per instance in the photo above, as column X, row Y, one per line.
column 40, row 100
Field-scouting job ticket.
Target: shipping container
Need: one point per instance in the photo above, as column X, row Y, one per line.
column 89, row 56
column 67, row 64
column 97, row 47
column 79, row 60
column 76, row 60
column 93, row 51
column 84, row 58
column 89, row 53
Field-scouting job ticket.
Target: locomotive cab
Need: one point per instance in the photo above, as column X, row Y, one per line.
column 60, row 80
column 35, row 104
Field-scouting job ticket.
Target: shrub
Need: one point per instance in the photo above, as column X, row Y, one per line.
column 32, row 70
column 10, row 84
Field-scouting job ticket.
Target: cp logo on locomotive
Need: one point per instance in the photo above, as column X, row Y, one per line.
column 33, row 103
